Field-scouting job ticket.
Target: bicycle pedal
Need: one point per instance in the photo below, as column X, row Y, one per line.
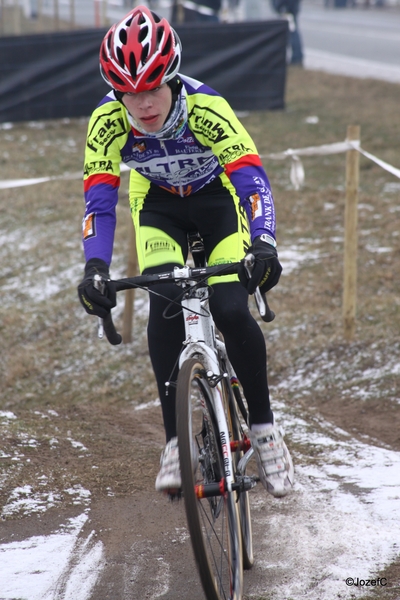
column 174, row 495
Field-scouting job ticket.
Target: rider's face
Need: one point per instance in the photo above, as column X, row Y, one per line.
column 150, row 109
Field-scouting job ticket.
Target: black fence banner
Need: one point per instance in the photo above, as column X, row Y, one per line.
column 56, row 75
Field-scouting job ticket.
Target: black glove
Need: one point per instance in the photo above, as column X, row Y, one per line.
column 92, row 300
column 266, row 270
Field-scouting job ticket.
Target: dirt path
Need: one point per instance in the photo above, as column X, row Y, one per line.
column 135, row 545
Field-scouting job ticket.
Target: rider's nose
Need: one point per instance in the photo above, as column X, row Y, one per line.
column 145, row 100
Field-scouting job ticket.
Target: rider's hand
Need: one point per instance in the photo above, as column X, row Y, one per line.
column 92, row 300
column 266, row 270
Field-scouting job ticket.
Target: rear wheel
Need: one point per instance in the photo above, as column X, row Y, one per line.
column 213, row 521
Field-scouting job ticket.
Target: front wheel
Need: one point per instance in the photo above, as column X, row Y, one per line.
column 213, row 521
column 234, row 397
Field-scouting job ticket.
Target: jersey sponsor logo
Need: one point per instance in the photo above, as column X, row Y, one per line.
column 269, row 218
column 255, row 205
column 267, row 202
column 213, row 126
column 179, row 171
column 184, row 190
column 185, row 140
column 260, row 183
column 139, row 147
column 98, row 166
column 244, row 228
column 106, row 133
column 159, row 244
column 233, row 153
column 141, row 155
column 89, row 226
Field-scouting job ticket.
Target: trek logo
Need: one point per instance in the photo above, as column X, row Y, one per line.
column 211, row 125
column 98, row 166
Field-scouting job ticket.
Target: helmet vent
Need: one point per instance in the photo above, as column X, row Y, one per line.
column 156, row 18
column 174, row 65
column 160, row 33
column 123, row 36
column 104, row 56
column 132, row 65
column 115, row 78
column 143, row 33
column 121, row 58
column 145, row 53
column 155, row 74
column 167, row 48
column 108, row 42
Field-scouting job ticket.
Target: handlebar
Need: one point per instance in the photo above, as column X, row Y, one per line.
column 182, row 274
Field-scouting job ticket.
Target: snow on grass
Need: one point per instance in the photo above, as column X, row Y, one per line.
column 343, row 514
column 23, row 500
column 56, row 565
column 348, row 371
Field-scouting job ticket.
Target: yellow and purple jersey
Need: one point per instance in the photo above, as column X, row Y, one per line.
column 212, row 144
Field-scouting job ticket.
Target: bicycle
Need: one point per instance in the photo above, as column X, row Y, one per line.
column 212, row 418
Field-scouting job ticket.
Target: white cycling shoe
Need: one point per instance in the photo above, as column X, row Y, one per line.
column 274, row 462
column 169, row 478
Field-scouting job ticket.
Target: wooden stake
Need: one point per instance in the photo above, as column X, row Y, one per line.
column 351, row 236
column 130, row 294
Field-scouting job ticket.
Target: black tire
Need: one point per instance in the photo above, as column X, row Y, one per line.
column 213, row 522
column 233, row 397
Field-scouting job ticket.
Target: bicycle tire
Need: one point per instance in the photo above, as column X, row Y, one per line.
column 233, row 397
column 213, row 522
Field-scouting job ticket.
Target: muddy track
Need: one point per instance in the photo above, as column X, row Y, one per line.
column 136, row 546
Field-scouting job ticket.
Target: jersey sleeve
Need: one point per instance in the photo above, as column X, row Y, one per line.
column 216, row 125
column 107, row 132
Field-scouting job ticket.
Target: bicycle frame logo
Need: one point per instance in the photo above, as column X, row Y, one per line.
column 192, row 319
column 225, row 454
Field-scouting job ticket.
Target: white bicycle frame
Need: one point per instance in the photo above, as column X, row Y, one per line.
column 200, row 342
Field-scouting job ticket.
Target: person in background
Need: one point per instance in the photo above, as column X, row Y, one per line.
column 193, row 167
column 189, row 11
column 290, row 9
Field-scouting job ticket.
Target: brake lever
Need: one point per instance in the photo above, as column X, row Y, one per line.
column 99, row 284
column 266, row 313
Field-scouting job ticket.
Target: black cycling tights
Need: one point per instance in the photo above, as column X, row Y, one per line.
column 244, row 341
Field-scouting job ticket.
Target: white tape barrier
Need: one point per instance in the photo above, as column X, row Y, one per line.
column 13, row 183
column 296, row 170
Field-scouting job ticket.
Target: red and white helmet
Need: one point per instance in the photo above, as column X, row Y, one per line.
column 140, row 53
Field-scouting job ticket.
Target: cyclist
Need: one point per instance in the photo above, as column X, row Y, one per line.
column 194, row 167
